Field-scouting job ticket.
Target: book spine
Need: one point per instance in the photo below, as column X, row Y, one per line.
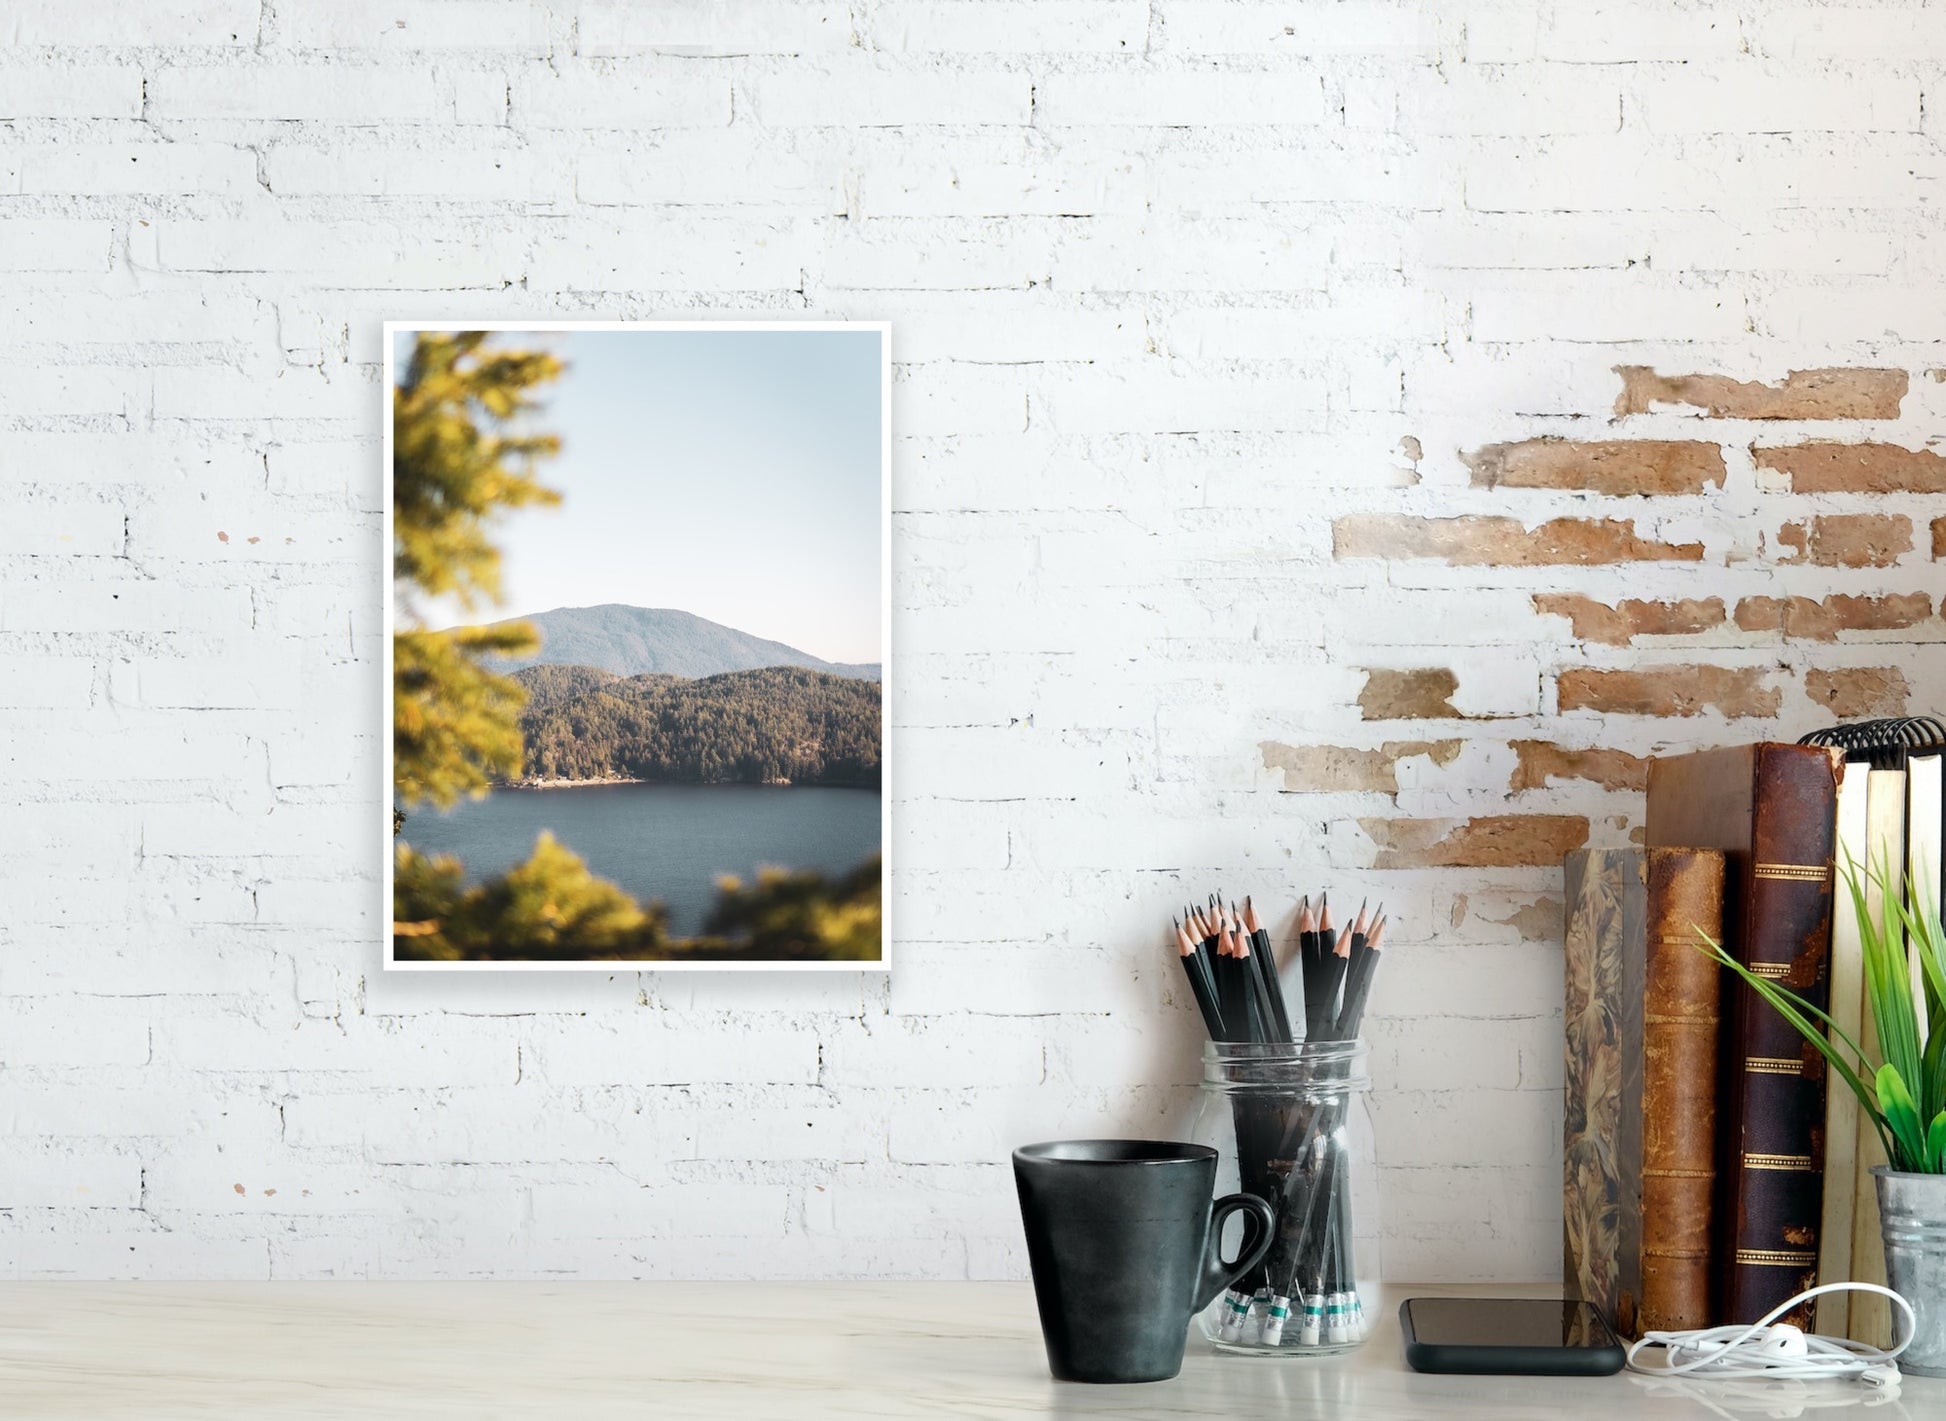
column 1771, row 1156
column 1602, row 1144
column 1844, row 1127
column 1681, row 990
column 1870, row 1317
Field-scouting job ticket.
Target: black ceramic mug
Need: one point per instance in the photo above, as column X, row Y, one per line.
column 1126, row 1248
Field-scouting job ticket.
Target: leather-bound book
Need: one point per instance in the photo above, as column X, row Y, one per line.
column 1641, row 1027
column 1772, row 810
column 1679, row 1053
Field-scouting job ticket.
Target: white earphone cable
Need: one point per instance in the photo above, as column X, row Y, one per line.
column 1767, row 1348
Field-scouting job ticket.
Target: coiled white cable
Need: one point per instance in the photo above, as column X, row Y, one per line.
column 1768, row 1348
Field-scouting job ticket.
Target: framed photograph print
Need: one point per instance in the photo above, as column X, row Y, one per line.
column 638, row 624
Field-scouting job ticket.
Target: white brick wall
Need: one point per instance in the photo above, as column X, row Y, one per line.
column 1170, row 282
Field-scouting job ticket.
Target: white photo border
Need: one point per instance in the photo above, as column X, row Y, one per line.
column 387, row 857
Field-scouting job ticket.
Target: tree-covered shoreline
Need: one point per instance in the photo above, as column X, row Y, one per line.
column 778, row 725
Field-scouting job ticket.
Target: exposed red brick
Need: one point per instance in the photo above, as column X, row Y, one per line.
column 1938, row 539
column 1856, row 468
column 1802, row 394
column 1858, row 690
column 1622, row 623
column 1769, row 614
column 1538, row 921
column 1848, row 539
column 1735, row 691
column 1423, row 693
column 1892, row 612
column 1323, row 769
column 1806, row 619
column 1497, row 841
column 1539, row 761
column 1477, row 540
column 1613, row 466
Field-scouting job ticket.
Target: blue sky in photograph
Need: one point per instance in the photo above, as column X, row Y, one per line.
column 732, row 474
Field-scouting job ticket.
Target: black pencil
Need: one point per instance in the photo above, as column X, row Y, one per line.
column 1351, row 946
column 1250, row 986
column 1361, row 961
column 1354, row 1013
column 1311, row 959
column 1267, row 965
column 1264, row 1016
column 1200, row 985
column 1333, row 968
column 1219, row 974
column 1246, row 951
column 1231, row 993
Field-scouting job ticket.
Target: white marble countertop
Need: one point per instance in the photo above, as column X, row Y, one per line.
column 268, row 1351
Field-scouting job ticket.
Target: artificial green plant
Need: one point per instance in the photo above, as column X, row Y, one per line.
column 1904, row 1093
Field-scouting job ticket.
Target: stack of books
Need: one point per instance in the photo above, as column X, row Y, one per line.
column 1889, row 817
column 1709, row 1174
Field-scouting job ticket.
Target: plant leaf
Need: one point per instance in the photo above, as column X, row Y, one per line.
column 1936, row 1145
column 1919, row 916
column 1806, row 1008
column 1889, row 991
column 1888, row 983
column 1933, row 1083
column 1902, row 1117
column 1794, row 1009
column 1925, row 934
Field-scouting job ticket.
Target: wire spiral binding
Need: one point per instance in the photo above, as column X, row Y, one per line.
column 1883, row 744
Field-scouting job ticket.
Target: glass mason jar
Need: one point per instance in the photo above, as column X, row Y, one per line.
column 1289, row 1123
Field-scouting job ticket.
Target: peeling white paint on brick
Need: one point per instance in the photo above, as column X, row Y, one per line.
column 1171, row 286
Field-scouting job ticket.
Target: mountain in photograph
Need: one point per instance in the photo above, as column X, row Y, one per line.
column 780, row 724
column 633, row 641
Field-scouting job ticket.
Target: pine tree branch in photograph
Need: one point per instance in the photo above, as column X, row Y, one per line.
column 552, row 909
column 783, row 724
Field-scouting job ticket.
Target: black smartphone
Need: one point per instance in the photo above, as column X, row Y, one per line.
column 1529, row 1337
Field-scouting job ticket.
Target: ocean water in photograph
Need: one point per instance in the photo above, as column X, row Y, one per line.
column 662, row 841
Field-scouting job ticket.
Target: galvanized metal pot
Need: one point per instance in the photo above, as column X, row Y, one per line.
column 1912, row 1217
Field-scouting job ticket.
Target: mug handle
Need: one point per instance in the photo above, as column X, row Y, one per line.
column 1259, row 1228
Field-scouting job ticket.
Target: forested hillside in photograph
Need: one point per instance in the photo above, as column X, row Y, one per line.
column 778, row 724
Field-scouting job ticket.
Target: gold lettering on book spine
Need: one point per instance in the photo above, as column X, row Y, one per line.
column 1793, row 872
column 1776, row 1257
column 1794, row 1164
